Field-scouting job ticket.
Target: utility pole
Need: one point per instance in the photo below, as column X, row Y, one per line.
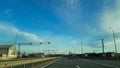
column 81, row 47
column 102, row 47
column 16, row 42
column 16, row 38
column 114, row 43
column 39, row 47
column 82, row 55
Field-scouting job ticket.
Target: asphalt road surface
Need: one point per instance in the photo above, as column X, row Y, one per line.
column 78, row 63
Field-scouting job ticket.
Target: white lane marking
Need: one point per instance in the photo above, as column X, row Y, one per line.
column 77, row 66
column 101, row 64
column 49, row 63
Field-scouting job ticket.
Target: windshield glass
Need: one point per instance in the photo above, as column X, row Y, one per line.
column 60, row 33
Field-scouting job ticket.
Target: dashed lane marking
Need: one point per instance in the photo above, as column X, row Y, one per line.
column 49, row 63
column 77, row 66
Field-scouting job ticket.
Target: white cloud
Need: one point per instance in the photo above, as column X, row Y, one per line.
column 111, row 18
column 31, row 37
column 8, row 28
column 12, row 30
column 69, row 11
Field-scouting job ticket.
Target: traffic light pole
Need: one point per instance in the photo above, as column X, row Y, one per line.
column 116, row 54
column 102, row 47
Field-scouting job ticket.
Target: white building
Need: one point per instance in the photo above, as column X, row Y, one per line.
column 8, row 51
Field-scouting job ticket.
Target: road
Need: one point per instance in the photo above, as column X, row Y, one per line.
column 78, row 63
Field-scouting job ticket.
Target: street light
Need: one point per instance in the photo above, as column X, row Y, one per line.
column 114, row 42
column 16, row 37
column 102, row 47
column 81, row 47
column 16, row 42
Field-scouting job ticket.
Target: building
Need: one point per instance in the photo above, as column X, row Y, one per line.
column 39, row 55
column 8, row 51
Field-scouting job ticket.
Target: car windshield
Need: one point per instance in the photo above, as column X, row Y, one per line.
column 59, row 34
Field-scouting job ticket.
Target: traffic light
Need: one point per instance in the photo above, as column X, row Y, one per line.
column 40, row 43
column 30, row 43
column 48, row 42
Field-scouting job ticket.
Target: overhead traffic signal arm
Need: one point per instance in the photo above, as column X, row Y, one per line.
column 19, row 45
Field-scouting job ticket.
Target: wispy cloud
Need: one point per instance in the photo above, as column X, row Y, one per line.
column 69, row 11
column 111, row 18
column 11, row 30
column 73, row 14
column 31, row 37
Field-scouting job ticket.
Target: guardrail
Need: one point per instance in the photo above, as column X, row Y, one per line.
column 24, row 63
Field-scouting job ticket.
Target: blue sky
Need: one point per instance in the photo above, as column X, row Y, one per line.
column 65, row 23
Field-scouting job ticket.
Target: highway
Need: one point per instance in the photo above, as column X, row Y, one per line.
column 64, row 62
column 78, row 63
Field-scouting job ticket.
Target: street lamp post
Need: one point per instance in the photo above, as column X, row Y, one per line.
column 16, row 43
column 102, row 47
column 16, row 40
column 81, row 47
column 82, row 55
column 114, row 39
